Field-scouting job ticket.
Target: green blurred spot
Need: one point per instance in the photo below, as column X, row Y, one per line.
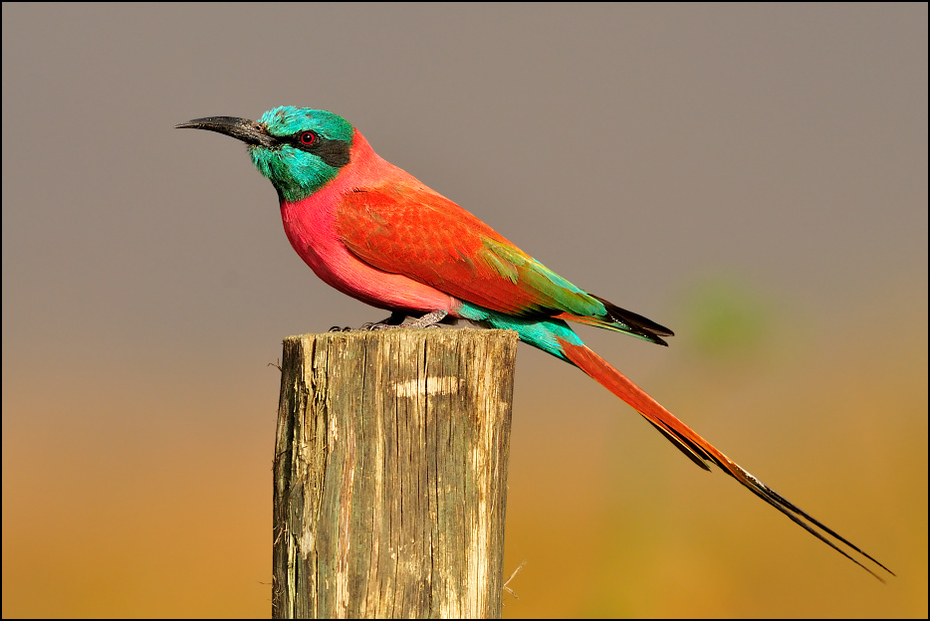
column 727, row 320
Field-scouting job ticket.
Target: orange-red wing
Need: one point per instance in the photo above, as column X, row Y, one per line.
column 409, row 229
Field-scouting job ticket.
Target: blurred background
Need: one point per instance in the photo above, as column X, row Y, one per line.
column 753, row 176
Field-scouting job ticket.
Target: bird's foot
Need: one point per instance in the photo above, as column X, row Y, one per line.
column 397, row 319
column 429, row 320
column 394, row 321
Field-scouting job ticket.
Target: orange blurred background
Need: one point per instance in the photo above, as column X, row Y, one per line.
column 753, row 176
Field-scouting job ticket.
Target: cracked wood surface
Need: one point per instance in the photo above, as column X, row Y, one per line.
column 390, row 474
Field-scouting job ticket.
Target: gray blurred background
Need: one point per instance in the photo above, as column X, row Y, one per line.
column 753, row 176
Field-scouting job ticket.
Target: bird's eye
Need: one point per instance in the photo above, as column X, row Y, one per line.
column 307, row 138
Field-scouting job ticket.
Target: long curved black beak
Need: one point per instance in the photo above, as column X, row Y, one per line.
column 245, row 130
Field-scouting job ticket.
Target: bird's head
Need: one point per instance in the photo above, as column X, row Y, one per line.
column 298, row 149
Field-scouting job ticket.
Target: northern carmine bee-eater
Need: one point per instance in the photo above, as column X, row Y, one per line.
column 374, row 232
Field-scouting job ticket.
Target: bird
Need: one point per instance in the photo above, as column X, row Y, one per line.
column 375, row 232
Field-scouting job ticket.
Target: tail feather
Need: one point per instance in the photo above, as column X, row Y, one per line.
column 634, row 320
column 621, row 320
column 699, row 450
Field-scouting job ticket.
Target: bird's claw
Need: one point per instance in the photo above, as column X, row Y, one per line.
column 396, row 320
column 375, row 326
column 429, row 320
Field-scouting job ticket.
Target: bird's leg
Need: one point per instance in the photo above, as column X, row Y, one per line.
column 429, row 320
column 393, row 321
column 397, row 318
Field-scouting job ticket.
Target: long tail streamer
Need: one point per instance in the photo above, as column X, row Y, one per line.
column 700, row 451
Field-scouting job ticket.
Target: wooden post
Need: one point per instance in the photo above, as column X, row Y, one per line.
column 390, row 474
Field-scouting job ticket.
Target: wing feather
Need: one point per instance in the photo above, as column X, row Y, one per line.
column 405, row 228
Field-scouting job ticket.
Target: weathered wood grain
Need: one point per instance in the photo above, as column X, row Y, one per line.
column 390, row 474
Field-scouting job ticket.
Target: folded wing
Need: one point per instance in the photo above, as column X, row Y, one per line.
column 411, row 230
